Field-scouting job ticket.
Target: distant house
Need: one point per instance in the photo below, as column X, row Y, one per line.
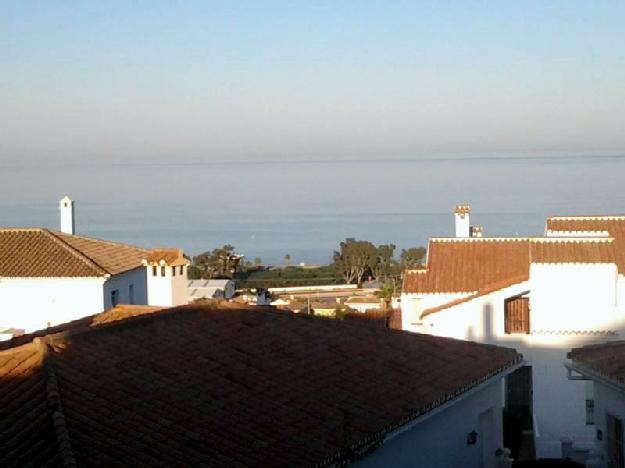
column 49, row 277
column 541, row 295
column 604, row 366
column 211, row 289
column 241, row 386
column 364, row 303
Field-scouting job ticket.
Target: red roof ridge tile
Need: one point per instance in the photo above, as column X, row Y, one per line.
column 55, row 405
column 104, row 241
column 588, row 217
column 598, row 238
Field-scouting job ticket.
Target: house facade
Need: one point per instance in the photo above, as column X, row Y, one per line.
column 49, row 277
column 541, row 295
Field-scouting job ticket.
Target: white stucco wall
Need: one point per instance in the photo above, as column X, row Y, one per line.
column 122, row 284
column 168, row 290
column 573, row 296
column 441, row 440
column 413, row 304
column 33, row 303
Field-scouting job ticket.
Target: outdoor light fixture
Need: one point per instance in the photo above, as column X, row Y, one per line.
column 472, row 438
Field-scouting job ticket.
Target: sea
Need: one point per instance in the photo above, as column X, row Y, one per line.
column 304, row 208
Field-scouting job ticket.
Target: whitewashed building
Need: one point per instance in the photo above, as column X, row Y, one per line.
column 364, row 303
column 210, row 289
column 49, row 277
column 604, row 366
column 541, row 295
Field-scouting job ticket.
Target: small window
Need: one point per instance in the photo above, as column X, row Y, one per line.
column 114, row 297
column 131, row 293
column 173, row 271
column 154, row 271
column 181, row 269
column 590, row 412
column 162, row 271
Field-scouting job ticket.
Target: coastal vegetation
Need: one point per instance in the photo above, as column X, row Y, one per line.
column 354, row 262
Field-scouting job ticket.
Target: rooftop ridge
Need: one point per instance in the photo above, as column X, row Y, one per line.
column 347, row 453
column 53, row 396
column 77, row 253
column 598, row 232
column 525, row 239
column 589, row 217
column 104, row 241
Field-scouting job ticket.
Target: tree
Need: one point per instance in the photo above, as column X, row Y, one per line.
column 220, row 263
column 385, row 262
column 258, row 261
column 287, row 260
column 355, row 258
column 412, row 257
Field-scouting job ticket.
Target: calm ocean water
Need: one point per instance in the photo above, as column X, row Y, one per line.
column 268, row 209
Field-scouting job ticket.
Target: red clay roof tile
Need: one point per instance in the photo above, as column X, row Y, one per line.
column 233, row 387
column 607, row 360
column 460, row 265
column 614, row 225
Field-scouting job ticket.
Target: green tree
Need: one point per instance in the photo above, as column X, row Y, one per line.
column 355, row 258
column 386, row 262
column 412, row 257
column 220, row 263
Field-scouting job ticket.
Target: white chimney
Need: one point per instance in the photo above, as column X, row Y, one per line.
column 66, row 206
column 463, row 225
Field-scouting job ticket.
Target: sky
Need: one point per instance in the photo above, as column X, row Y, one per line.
column 260, row 80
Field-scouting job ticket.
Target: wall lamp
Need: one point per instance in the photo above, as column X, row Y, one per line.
column 472, row 438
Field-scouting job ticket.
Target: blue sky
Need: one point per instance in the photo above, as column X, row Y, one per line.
column 189, row 81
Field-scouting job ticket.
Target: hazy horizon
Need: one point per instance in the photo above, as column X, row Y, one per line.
column 216, row 81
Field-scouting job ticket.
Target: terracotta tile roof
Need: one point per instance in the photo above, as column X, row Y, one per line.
column 225, row 387
column 41, row 253
column 170, row 257
column 615, row 225
column 120, row 312
column 607, row 360
column 27, row 427
column 113, row 257
column 26, row 253
column 461, row 265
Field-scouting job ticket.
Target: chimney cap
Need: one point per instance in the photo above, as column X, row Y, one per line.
column 477, row 231
column 462, row 209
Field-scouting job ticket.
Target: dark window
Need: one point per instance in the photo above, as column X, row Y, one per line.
column 131, row 294
column 181, row 269
column 615, row 441
column 162, row 271
column 114, row 297
column 590, row 412
column 154, row 271
column 517, row 315
column 173, row 271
